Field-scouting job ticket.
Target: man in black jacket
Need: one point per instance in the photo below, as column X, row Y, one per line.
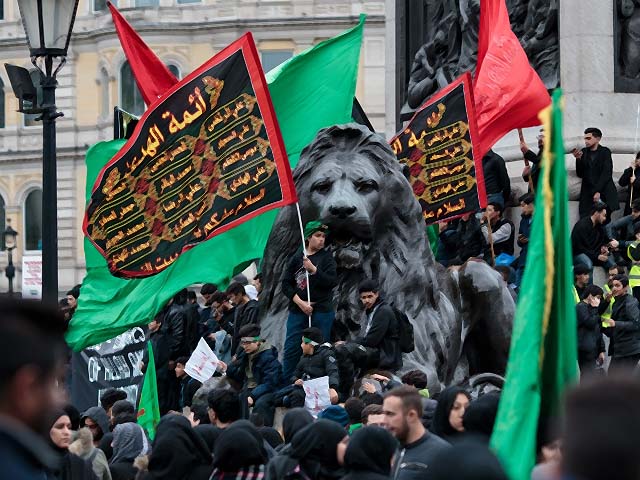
column 317, row 361
column 161, row 350
column 624, row 326
column 496, row 179
column 380, row 331
column 595, row 166
column 173, row 326
column 631, row 178
column 533, row 170
column 590, row 342
column 590, row 240
column 258, row 370
column 246, row 311
column 317, row 266
column 466, row 241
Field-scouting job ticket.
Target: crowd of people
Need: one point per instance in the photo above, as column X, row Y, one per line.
column 395, row 432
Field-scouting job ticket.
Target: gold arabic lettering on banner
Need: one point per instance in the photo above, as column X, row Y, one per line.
column 437, row 149
column 195, row 158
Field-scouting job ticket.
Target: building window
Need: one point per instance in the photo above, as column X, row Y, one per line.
column 3, row 215
column 104, row 93
column 101, row 5
column 147, row 3
column 130, row 97
column 272, row 58
column 1, row 101
column 30, row 118
column 1, row 9
column 175, row 70
column 33, row 221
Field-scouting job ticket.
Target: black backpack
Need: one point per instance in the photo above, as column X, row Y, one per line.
column 405, row 331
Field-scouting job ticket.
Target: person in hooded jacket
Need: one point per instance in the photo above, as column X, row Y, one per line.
column 178, row 452
column 590, row 341
column 266, row 449
column 83, row 447
column 259, row 372
column 71, row 467
column 313, row 454
column 238, row 456
column 624, row 326
column 128, row 444
column 369, row 454
column 96, row 420
column 447, row 419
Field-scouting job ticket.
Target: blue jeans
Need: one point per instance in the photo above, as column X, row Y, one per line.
column 295, row 324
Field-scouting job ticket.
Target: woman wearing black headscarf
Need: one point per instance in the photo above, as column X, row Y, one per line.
column 447, row 419
column 71, row 466
column 313, row 454
column 369, row 454
column 128, row 443
column 294, row 421
column 237, row 455
column 178, row 452
column 266, row 449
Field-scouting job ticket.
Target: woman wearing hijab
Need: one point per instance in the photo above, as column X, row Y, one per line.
column 178, row 453
column 369, row 454
column 128, row 443
column 447, row 419
column 71, row 466
column 265, row 448
column 237, row 455
column 313, row 454
column 294, row 421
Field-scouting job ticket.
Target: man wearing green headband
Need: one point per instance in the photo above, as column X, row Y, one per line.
column 319, row 267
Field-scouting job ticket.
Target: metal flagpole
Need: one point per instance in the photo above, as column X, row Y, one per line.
column 304, row 250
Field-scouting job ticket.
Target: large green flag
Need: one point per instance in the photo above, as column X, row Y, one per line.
column 543, row 355
column 149, row 408
column 312, row 90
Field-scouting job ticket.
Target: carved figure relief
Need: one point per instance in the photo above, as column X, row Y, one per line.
column 627, row 45
column 451, row 46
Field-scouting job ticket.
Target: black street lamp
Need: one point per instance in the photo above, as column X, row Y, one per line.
column 47, row 25
column 9, row 240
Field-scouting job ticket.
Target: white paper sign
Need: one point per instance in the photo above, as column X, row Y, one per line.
column 316, row 395
column 203, row 362
column 32, row 276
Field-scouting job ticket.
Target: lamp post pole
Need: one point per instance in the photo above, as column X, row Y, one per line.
column 10, row 271
column 49, row 187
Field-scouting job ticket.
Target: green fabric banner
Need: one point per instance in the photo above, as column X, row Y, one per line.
column 543, row 355
column 148, row 407
column 310, row 91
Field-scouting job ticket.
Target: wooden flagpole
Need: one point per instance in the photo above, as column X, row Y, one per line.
column 526, row 162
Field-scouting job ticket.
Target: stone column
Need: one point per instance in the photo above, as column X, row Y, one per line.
column 587, row 77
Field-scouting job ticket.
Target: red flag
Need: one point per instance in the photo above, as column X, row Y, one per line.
column 508, row 92
column 152, row 76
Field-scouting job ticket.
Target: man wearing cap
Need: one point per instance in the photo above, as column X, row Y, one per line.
column 319, row 267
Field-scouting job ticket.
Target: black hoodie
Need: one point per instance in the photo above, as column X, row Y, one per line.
column 369, row 454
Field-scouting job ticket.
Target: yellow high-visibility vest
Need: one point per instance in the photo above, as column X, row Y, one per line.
column 576, row 297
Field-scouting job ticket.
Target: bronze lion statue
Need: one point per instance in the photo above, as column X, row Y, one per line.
column 350, row 179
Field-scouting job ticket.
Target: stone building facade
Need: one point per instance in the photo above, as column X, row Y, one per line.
column 184, row 34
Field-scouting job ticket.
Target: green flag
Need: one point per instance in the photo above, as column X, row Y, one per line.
column 312, row 90
column 148, row 408
column 543, row 355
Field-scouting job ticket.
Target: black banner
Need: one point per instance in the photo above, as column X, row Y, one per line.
column 205, row 158
column 437, row 146
column 112, row 364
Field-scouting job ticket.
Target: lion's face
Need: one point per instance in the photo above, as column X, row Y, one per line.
column 346, row 192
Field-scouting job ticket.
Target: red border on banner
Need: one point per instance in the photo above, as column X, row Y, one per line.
column 247, row 46
column 464, row 79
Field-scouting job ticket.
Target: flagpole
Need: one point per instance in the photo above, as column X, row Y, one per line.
column 490, row 232
column 633, row 164
column 304, row 250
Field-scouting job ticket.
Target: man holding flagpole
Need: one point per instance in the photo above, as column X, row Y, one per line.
column 318, row 266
